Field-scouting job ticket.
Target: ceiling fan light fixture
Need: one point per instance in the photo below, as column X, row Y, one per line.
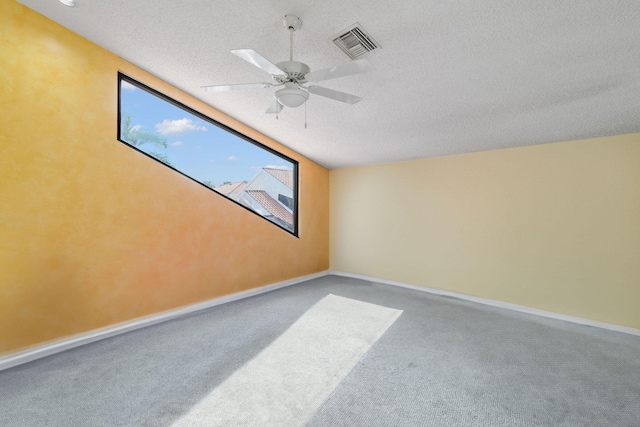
column 293, row 74
column 70, row 3
column 291, row 96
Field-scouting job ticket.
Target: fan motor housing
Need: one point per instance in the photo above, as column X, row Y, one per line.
column 296, row 72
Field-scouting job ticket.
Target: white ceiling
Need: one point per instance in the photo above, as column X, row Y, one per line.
column 451, row 77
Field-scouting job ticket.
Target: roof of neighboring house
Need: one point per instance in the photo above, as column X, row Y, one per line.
column 285, row 176
column 271, row 205
column 232, row 189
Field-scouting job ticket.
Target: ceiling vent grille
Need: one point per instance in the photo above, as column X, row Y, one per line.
column 355, row 41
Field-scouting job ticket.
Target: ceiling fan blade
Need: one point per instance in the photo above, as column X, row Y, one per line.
column 274, row 108
column 343, row 70
column 254, row 58
column 242, row 86
column 334, row 94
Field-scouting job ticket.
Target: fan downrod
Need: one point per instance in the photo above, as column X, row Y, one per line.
column 296, row 71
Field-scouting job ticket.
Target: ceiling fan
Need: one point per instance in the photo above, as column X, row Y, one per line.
column 293, row 75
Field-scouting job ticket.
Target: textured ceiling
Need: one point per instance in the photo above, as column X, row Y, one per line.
column 451, row 77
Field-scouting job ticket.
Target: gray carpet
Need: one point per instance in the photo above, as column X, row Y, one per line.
column 444, row 362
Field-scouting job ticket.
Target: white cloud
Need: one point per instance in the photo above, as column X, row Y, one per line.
column 177, row 144
column 212, row 161
column 178, row 127
column 232, row 158
column 126, row 85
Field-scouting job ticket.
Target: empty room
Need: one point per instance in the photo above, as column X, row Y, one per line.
column 284, row 213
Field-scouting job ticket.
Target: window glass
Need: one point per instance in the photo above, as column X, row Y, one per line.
column 227, row 162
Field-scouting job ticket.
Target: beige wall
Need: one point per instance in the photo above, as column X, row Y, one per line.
column 554, row 227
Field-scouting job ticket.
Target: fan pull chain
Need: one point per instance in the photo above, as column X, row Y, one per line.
column 305, row 114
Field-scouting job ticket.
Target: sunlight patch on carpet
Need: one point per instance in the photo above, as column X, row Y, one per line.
column 288, row 381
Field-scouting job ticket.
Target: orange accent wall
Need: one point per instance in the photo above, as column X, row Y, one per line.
column 93, row 233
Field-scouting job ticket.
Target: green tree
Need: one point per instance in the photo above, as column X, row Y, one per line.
column 137, row 137
column 160, row 156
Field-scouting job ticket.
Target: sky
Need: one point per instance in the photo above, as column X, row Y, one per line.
column 196, row 147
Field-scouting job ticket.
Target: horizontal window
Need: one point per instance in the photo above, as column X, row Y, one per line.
column 221, row 159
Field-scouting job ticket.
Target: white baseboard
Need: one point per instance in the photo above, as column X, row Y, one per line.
column 57, row 346
column 494, row 303
column 47, row 349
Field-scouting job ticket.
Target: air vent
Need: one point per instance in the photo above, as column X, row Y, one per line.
column 355, row 41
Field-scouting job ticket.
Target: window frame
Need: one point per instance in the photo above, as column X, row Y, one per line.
column 166, row 98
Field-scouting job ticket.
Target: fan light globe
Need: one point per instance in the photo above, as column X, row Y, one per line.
column 291, row 97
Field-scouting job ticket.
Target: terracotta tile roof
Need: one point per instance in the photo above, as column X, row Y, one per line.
column 272, row 206
column 285, row 176
column 232, row 189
